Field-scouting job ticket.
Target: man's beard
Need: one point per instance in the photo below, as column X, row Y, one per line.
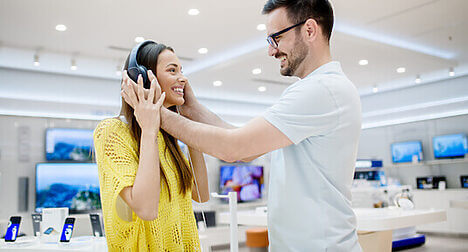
column 295, row 59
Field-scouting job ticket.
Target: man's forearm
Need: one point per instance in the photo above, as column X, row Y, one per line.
column 212, row 140
column 199, row 113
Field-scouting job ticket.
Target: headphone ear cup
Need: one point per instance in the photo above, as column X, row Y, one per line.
column 144, row 75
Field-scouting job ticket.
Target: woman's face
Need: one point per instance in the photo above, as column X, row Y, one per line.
column 170, row 78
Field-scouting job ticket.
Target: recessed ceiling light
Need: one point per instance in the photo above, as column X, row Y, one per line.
column 261, row 27
column 451, row 72
column 193, row 12
column 217, row 83
column 375, row 89
column 36, row 60
column 257, row 71
column 203, row 50
column 401, row 70
column 262, row 89
column 418, row 79
column 60, row 27
column 363, row 62
column 139, row 39
column 73, row 65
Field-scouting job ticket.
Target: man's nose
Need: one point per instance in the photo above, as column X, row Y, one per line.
column 272, row 51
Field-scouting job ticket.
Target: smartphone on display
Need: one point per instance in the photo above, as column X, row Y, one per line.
column 96, row 224
column 13, row 228
column 67, row 229
column 36, row 220
column 48, row 231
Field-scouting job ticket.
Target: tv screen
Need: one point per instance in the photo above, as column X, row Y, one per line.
column 72, row 185
column 405, row 151
column 449, row 146
column 69, row 144
column 246, row 180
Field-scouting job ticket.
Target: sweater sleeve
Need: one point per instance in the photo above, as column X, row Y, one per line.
column 117, row 161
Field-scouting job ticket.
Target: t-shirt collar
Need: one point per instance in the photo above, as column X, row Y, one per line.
column 332, row 66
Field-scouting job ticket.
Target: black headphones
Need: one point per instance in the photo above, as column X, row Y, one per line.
column 135, row 69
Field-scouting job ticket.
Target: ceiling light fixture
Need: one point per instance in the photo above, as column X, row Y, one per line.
column 193, row 12
column 261, row 27
column 36, row 60
column 139, row 39
column 363, row 62
column 375, row 89
column 217, row 83
column 73, row 66
column 418, row 79
column 401, row 70
column 203, row 50
column 60, row 27
column 262, row 89
column 451, row 72
column 257, row 71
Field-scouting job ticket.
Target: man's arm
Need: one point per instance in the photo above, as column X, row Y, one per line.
column 195, row 111
column 255, row 138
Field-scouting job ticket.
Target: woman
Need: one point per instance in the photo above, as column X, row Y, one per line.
column 147, row 184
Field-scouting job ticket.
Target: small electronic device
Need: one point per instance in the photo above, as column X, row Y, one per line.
column 67, row 230
column 96, row 225
column 36, row 221
column 430, row 182
column 48, row 230
column 13, row 228
column 464, row 181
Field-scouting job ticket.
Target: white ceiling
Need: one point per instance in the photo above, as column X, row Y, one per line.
column 389, row 34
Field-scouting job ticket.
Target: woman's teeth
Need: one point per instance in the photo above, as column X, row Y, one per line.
column 179, row 90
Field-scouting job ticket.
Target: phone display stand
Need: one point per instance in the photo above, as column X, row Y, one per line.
column 21, row 242
column 52, row 218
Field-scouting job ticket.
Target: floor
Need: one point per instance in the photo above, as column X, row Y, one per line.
column 434, row 243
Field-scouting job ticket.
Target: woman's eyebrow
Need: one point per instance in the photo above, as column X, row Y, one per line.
column 172, row 64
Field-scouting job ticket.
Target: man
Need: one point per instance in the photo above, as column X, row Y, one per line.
column 313, row 132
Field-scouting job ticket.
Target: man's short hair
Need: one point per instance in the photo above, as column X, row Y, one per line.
column 300, row 10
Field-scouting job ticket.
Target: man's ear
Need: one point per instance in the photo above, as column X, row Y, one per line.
column 312, row 29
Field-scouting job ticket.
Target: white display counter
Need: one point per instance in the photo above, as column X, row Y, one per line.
column 374, row 225
column 31, row 244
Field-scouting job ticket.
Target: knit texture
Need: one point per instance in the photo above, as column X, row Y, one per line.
column 117, row 159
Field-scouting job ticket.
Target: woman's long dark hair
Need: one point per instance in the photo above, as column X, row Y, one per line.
column 148, row 57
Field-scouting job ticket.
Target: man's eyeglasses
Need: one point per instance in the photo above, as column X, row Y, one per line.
column 272, row 38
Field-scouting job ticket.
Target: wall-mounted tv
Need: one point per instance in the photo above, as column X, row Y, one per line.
column 69, row 144
column 246, row 180
column 403, row 152
column 72, row 185
column 450, row 146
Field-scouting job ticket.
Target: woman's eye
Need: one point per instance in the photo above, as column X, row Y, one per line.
column 172, row 70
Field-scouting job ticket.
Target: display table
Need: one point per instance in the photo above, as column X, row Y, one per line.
column 31, row 244
column 374, row 225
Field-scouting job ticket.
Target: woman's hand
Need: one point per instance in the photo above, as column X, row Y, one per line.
column 146, row 106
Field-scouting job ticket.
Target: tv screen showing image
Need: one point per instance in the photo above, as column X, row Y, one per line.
column 450, row 146
column 72, row 185
column 69, row 144
column 246, row 180
column 407, row 151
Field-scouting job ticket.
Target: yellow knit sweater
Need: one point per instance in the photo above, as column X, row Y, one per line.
column 117, row 159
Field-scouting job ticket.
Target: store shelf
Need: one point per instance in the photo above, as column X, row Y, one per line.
column 430, row 163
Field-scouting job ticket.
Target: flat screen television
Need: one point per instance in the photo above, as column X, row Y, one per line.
column 69, row 144
column 403, row 152
column 450, row 146
column 246, row 180
column 72, row 185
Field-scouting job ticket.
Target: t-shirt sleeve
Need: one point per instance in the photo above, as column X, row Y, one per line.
column 304, row 110
column 116, row 158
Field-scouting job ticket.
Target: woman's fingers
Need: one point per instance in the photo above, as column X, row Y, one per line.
column 154, row 81
column 151, row 92
column 141, row 92
column 161, row 100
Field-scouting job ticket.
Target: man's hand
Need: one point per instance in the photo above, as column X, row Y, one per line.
column 191, row 103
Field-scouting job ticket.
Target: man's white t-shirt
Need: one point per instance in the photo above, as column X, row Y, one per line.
column 309, row 199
